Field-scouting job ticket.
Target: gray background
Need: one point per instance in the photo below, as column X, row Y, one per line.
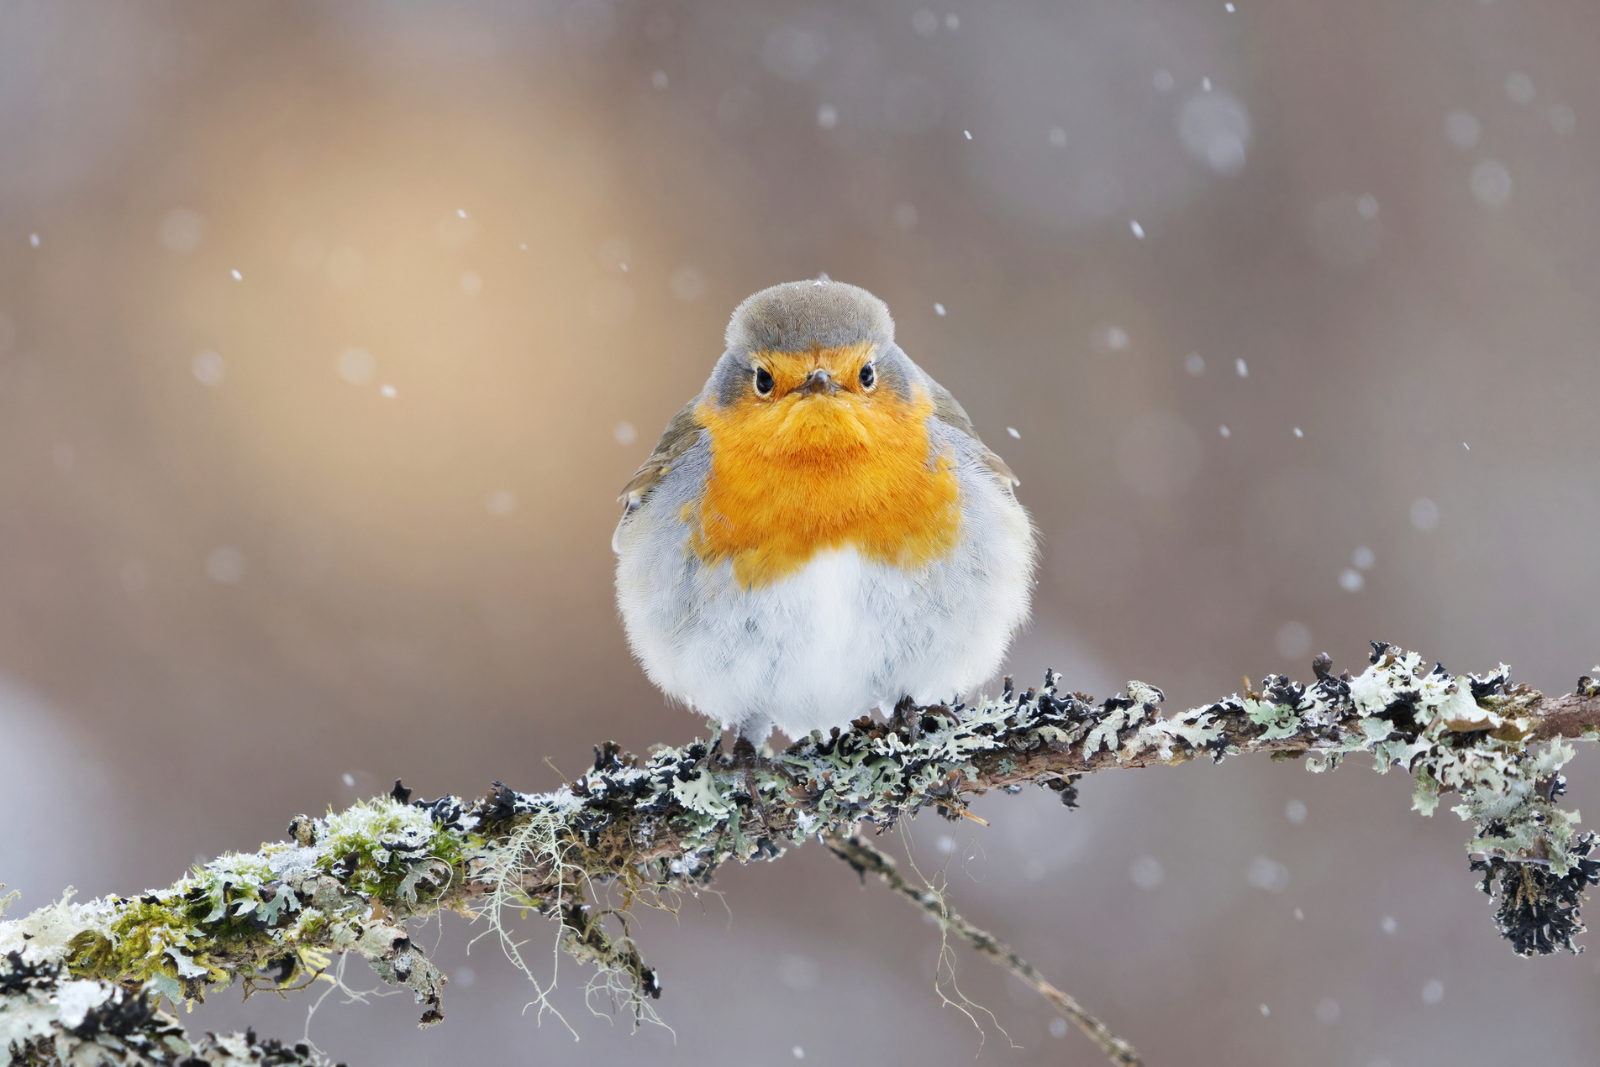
column 232, row 583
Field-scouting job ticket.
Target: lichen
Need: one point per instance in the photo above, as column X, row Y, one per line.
column 50, row 1019
column 634, row 830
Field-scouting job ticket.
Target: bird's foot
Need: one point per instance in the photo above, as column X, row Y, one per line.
column 746, row 758
column 906, row 716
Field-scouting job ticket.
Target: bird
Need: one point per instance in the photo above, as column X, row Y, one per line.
column 820, row 532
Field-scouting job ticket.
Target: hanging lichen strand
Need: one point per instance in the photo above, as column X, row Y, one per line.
column 78, row 979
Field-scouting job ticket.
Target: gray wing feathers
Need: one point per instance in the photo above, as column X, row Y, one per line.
column 675, row 440
column 681, row 434
column 947, row 409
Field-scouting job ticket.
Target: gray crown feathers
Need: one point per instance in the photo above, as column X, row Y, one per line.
column 802, row 316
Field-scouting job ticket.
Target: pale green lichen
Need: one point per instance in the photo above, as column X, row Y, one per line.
column 656, row 827
column 278, row 909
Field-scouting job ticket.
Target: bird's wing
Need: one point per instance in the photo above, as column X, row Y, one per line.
column 675, row 440
column 947, row 409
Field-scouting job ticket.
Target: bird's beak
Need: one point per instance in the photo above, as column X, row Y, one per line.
column 818, row 381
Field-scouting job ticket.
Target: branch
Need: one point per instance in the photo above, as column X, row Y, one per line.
column 645, row 830
column 868, row 860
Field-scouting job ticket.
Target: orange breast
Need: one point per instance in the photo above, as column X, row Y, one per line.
column 797, row 475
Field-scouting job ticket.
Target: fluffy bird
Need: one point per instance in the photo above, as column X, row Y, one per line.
column 820, row 532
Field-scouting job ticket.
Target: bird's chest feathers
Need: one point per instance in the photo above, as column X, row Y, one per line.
column 823, row 473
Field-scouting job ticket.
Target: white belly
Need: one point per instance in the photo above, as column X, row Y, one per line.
column 830, row 643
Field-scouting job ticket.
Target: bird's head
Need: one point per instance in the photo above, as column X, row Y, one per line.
column 812, row 374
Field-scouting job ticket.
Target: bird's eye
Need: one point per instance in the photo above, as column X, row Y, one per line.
column 763, row 381
column 868, row 376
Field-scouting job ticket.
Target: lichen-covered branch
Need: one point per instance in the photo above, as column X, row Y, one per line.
column 49, row 1018
column 642, row 830
column 866, row 859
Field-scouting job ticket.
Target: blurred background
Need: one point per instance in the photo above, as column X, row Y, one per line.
column 328, row 333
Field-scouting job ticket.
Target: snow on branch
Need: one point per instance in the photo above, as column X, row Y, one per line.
column 83, row 982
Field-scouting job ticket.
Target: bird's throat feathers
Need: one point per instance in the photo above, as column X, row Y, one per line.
column 793, row 475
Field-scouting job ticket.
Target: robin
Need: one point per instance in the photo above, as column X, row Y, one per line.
column 820, row 532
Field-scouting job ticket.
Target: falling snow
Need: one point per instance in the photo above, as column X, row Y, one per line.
column 356, row 365
column 1147, row 873
column 1491, row 183
column 1519, row 87
column 1268, row 874
column 1462, row 129
column 209, row 368
column 1109, row 337
column 1293, row 640
column 1215, row 129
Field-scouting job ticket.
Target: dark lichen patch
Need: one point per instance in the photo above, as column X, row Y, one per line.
column 1537, row 909
column 50, row 1018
